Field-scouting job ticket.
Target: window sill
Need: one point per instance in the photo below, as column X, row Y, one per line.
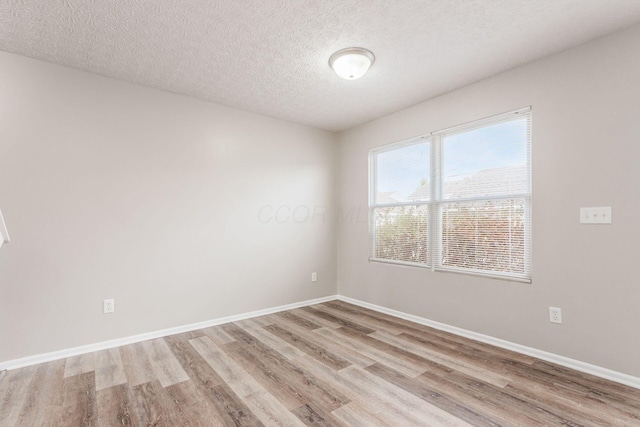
column 498, row 276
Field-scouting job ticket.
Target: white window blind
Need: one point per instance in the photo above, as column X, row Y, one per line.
column 456, row 200
column 400, row 211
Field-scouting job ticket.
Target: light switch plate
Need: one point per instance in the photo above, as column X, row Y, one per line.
column 596, row 215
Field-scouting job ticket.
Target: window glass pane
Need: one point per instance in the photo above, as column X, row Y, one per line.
column 400, row 233
column 489, row 161
column 486, row 235
column 403, row 174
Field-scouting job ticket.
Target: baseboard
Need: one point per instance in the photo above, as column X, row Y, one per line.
column 540, row 354
column 567, row 362
column 76, row 351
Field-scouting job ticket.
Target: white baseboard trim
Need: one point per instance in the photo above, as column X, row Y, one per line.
column 76, row 351
column 540, row 354
column 529, row 351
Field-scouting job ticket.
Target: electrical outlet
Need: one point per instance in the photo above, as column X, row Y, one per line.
column 109, row 306
column 555, row 315
column 314, row 277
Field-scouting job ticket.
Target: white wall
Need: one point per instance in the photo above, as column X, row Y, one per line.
column 112, row 190
column 586, row 152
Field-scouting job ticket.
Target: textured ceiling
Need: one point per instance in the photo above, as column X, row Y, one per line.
column 270, row 56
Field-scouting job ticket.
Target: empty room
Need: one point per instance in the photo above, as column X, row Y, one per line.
column 319, row 213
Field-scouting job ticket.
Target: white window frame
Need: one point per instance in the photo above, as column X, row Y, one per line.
column 435, row 202
column 373, row 205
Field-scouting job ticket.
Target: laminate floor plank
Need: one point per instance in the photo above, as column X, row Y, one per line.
column 155, row 406
column 186, row 393
column 297, row 320
column 300, row 312
column 329, row 364
column 269, row 339
column 362, row 318
column 44, row 389
column 136, row 364
column 471, row 357
column 164, row 364
column 433, row 396
column 218, row 336
column 408, row 368
column 115, row 407
column 488, row 399
column 406, row 326
column 149, row 407
column 580, row 392
column 427, row 336
column 271, row 379
column 230, row 408
column 81, row 364
column 241, row 382
column 355, row 415
column 259, row 321
column 317, row 352
column 195, row 403
column 540, row 386
column 262, row 403
column 270, row 411
column 364, row 393
column 234, row 411
column 109, row 369
column 192, row 362
column 344, row 352
column 590, row 384
column 583, row 409
column 440, row 355
column 77, row 402
column 191, row 335
column 425, row 412
column 13, row 390
column 420, row 362
column 451, row 360
column 311, row 415
column 303, row 385
column 319, row 313
column 336, row 379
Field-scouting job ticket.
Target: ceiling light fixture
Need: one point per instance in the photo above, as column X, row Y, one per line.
column 351, row 63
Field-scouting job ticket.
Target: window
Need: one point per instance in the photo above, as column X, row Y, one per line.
column 457, row 199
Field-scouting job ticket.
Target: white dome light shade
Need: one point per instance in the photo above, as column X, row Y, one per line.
column 351, row 63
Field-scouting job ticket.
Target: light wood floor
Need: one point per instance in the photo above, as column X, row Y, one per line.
column 332, row 364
